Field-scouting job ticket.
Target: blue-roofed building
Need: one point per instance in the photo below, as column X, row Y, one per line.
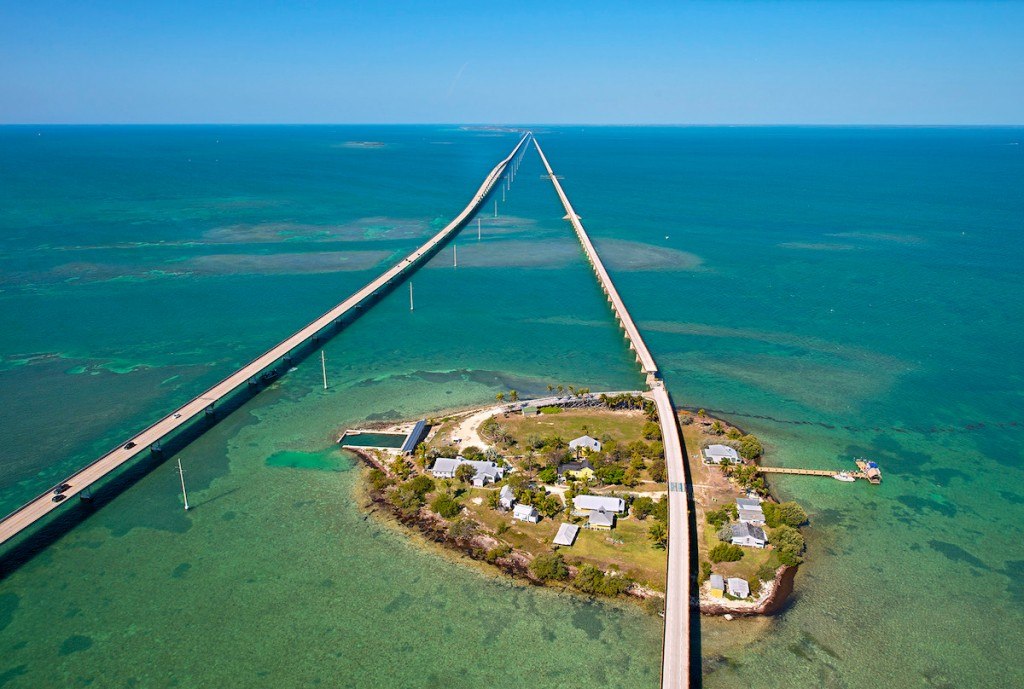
column 415, row 436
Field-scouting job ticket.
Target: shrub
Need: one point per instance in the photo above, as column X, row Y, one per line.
column 733, row 434
column 590, row 579
column 405, row 498
column 472, row 452
column 705, row 572
column 724, row 534
column 725, row 552
column 718, row 517
column 379, row 480
column 765, row 572
column 549, row 567
column 462, row 528
column 548, row 475
column 786, row 514
column 717, row 428
column 685, row 420
column 401, row 468
column 654, row 605
column 550, row 410
column 497, row 552
column 658, row 470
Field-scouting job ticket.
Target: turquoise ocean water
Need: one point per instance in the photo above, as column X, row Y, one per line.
column 837, row 291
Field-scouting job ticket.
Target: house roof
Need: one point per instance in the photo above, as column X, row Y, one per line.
column 717, row 582
column 575, row 466
column 448, row 465
column 599, row 502
column 601, row 518
column 415, row 436
column 751, row 515
column 566, row 534
column 744, row 530
column 523, row 511
column 721, row 451
column 506, row 493
column 739, row 587
column 748, row 504
column 585, row 441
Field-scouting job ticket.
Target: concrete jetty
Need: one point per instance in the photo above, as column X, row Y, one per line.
column 675, row 671
column 37, row 508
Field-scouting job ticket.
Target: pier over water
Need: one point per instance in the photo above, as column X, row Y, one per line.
column 675, row 670
column 249, row 375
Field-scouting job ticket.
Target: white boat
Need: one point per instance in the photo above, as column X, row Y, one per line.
column 844, row 476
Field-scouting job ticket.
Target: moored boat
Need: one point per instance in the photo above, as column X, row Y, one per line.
column 844, row 476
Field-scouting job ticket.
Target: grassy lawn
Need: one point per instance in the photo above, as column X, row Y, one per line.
column 626, row 548
column 622, row 426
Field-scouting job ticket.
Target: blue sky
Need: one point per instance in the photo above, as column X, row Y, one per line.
column 829, row 62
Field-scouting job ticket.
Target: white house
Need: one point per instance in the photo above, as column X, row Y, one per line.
column 714, row 454
column 585, row 442
column 599, row 519
column 595, row 503
column 525, row 513
column 506, row 498
column 750, row 511
column 748, row 535
column 486, row 472
column 566, row 534
column 738, row 587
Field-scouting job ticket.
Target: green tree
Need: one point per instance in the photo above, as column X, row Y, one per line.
column 422, row 485
column 642, row 507
column 549, row 475
column 705, row 572
column 658, row 534
column 379, row 480
column 550, row 567
column 733, row 434
column 651, row 431
column 465, row 473
column 500, row 397
column 446, row 506
column 401, row 468
column 725, row 552
column 513, row 395
column 788, row 544
column 610, row 474
column 472, row 452
column 791, row 514
column 750, row 447
column 657, row 470
column 724, row 534
column 717, row 428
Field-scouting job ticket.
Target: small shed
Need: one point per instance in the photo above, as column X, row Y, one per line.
column 738, row 587
column 717, row 585
column 525, row 513
column 506, row 497
column 599, row 519
column 530, row 411
column 566, row 534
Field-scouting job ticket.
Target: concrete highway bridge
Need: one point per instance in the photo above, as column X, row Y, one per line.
column 250, row 375
column 676, row 649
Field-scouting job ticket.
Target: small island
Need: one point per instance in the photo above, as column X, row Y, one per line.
column 569, row 491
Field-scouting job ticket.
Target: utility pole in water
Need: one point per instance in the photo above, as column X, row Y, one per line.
column 410, row 296
column 323, row 365
column 181, row 475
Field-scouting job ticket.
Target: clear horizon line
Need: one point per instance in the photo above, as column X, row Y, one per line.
column 517, row 125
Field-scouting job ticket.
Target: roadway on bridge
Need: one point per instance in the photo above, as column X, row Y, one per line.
column 37, row 508
column 675, row 671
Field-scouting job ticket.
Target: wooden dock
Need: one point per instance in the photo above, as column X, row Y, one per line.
column 810, row 472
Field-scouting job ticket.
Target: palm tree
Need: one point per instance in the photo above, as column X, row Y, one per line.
column 550, row 387
column 561, row 389
column 500, row 397
column 513, row 395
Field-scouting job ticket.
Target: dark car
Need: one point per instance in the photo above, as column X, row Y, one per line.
column 58, row 497
column 129, row 445
column 61, row 488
